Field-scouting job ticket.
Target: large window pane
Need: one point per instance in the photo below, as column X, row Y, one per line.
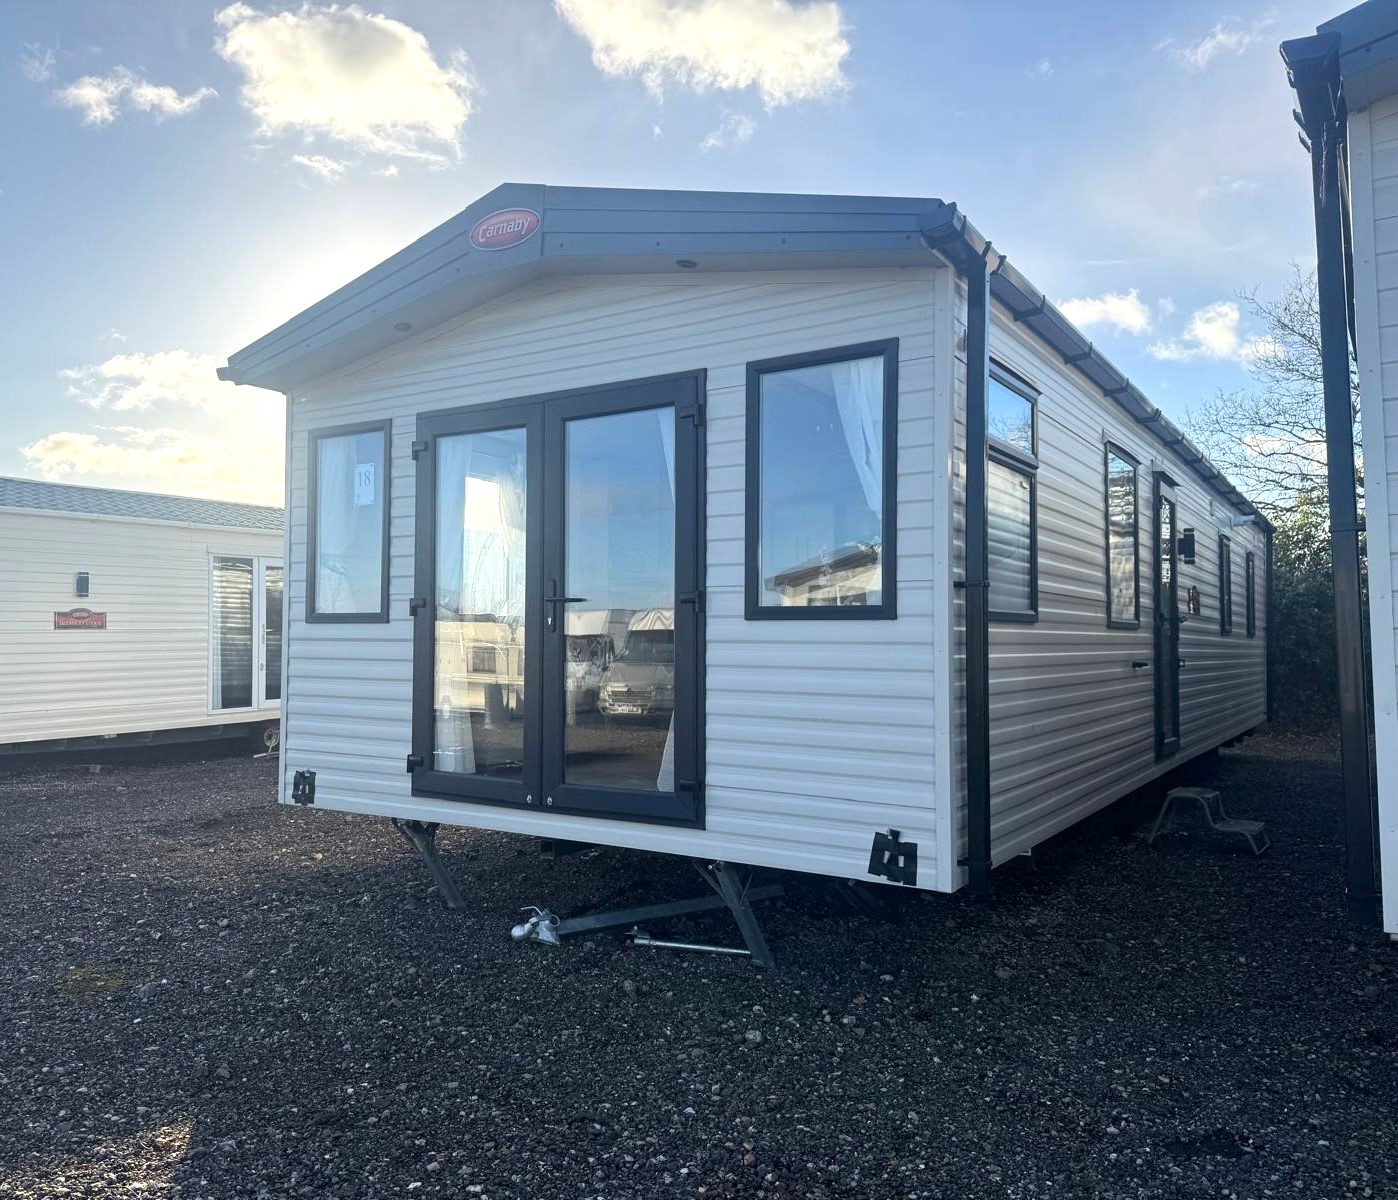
column 479, row 604
column 349, row 546
column 232, row 664
column 1010, row 416
column 1123, row 562
column 1225, row 586
column 821, row 522
column 1010, row 539
column 619, row 565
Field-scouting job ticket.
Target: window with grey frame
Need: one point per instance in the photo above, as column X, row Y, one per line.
column 821, row 486
column 1123, row 540
column 1225, row 585
column 347, row 551
column 1011, row 497
column 1250, row 599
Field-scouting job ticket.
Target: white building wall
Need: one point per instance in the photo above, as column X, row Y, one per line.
column 1072, row 722
column 818, row 734
column 1373, row 142
column 149, row 669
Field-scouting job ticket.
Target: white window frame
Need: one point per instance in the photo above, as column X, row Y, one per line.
column 260, row 563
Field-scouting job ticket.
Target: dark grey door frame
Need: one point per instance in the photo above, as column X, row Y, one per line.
column 1167, row 619
column 542, row 787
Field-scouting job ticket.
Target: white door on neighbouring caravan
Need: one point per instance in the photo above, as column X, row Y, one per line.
column 245, row 633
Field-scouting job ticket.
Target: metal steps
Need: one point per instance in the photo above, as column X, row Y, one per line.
column 1211, row 804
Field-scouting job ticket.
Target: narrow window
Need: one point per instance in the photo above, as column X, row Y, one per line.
column 1250, row 582
column 231, row 666
column 821, row 484
column 1011, row 499
column 348, row 524
column 1225, row 586
column 1123, row 558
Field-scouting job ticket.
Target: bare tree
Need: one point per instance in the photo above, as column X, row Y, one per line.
column 1270, row 439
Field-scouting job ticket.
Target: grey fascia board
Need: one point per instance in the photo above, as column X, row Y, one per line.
column 1368, row 50
column 611, row 231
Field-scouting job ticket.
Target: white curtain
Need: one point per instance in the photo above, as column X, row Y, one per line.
column 336, row 522
column 665, row 779
column 859, row 399
column 453, row 745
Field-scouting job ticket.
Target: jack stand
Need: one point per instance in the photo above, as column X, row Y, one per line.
column 422, row 837
column 723, row 878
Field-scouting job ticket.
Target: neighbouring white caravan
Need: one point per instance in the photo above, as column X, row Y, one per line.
column 1346, row 82
column 127, row 617
column 732, row 430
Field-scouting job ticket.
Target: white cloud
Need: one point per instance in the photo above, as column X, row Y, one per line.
column 362, row 79
column 1120, row 310
column 164, row 459
column 1041, row 69
column 788, row 51
column 329, row 169
column 101, row 98
column 1212, row 333
column 139, row 381
column 733, row 129
column 1226, row 185
column 36, row 63
column 388, row 172
column 1228, row 36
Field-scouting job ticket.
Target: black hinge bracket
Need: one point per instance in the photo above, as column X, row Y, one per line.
column 690, row 410
column 416, row 603
column 892, row 858
column 303, row 787
column 695, row 598
column 419, row 448
column 414, row 762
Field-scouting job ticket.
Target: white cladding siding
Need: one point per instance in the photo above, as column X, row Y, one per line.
column 149, row 669
column 1373, row 138
column 819, row 734
column 1072, row 722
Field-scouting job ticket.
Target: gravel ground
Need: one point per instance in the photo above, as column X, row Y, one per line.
column 204, row 995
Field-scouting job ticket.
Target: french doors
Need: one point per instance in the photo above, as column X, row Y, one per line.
column 245, row 667
column 1167, row 619
column 558, row 603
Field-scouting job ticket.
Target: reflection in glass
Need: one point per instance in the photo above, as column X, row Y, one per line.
column 1122, row 561
column 619, row 553
column 232, row 659
column 349, row 534
column 1009, row 416
column 1009, row 539
column 479, row 604
column 272, row 633
column 821, row 494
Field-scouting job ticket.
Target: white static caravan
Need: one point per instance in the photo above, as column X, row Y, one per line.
column 132, row 618
column 748, row 413
column 1346, row 81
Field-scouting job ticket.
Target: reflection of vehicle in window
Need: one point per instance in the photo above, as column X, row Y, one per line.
column 480, row 665
column 844, row 577
column 641, row 681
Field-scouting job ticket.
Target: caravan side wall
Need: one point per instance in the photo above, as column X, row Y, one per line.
column 1072, row 721
column 148, row 670
column 819, row 734
column 1373, row 140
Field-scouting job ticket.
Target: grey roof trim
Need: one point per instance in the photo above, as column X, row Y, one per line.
column 1367, row 41
column 76, row 499
column 620, row 230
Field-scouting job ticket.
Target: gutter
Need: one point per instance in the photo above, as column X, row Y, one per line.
column 1313, row 69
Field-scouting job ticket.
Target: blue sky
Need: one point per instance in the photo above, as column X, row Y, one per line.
column 179, row 177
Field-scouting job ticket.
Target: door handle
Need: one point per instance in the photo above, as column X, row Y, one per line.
column 554, row 601
column 1139, row 664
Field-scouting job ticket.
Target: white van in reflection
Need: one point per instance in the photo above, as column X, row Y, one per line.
column 591, row 639
column 641, row 679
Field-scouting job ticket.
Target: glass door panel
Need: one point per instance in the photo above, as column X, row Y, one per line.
column 617, row 606
column 479, row 604
column 232, row 666
column 1167, row 622
column 272, row 593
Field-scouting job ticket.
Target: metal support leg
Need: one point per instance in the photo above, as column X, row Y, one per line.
column 723, row 878
column 422, row 837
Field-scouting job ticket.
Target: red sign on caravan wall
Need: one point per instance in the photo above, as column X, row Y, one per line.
column 504, row 229
column 79, row 618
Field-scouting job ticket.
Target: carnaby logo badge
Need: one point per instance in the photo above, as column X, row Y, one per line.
column 80, row 618
column 504, row 229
